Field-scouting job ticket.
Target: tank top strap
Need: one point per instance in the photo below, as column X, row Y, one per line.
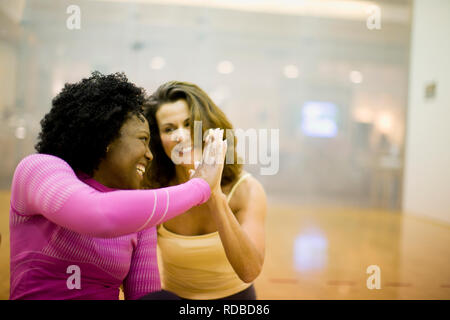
column 242, row 178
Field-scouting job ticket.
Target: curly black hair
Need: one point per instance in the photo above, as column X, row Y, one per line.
column 87, row 116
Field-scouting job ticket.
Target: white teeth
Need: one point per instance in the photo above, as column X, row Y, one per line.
column 140, row 169
column 184, row 150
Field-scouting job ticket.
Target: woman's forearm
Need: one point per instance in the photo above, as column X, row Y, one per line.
column 241, row 252
column 47, row 185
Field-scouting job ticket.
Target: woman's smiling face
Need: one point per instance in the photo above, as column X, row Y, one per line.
column 175, row 132
column 127, row 157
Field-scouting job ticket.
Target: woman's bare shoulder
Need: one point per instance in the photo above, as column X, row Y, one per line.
column 249, row 189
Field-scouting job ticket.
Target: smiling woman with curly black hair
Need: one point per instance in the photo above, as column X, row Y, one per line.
column 71, row 236
column 87, row 116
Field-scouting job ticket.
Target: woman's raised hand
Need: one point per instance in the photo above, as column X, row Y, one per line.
column 211, row 167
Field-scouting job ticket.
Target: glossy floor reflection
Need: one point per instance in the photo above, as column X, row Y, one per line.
column 323, row 253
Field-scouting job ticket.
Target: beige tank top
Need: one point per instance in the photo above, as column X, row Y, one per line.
column 196, row 267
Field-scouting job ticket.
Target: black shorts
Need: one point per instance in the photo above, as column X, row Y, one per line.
column 247, row 294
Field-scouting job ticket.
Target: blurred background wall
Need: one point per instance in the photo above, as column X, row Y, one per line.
column 427, row 169
column 336, row 88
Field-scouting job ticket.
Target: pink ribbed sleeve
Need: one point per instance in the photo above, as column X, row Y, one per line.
column 143, row 276
column 47, row 185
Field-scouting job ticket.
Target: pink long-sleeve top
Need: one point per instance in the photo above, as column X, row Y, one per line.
column 64, row 226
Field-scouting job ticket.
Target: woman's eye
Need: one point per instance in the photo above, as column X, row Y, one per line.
column 167, row 130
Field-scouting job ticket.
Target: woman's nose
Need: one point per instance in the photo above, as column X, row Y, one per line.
column 148, row 154
column 180, row 135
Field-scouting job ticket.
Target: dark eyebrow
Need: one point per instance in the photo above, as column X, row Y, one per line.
column 171, row 124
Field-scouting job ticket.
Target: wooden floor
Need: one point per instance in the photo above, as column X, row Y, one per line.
column 323, row 253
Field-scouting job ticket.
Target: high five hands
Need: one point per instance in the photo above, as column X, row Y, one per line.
column 213, row 158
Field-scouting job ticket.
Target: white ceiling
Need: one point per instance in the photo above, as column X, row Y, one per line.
column 392, row 11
